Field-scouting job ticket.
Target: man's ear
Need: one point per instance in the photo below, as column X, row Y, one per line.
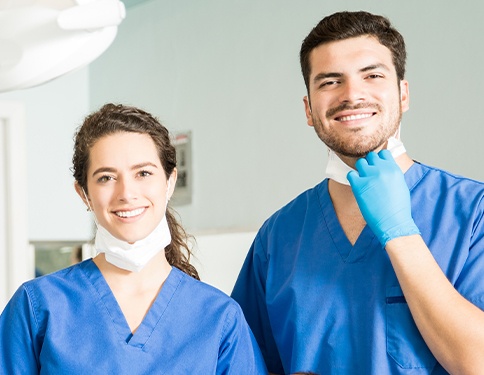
column 309, row 113
column 404, row 95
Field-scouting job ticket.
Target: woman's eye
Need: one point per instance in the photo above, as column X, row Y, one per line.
column 145, row 173
column 104, row 179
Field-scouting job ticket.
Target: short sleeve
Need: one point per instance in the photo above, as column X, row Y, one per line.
column 249, row 292
column 17, row 335
column 470, row 282
column 239, row 352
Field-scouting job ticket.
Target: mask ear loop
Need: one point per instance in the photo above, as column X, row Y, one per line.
column 90, row 208
column 168, row 192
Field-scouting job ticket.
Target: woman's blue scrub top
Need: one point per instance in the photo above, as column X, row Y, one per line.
column 70, row 323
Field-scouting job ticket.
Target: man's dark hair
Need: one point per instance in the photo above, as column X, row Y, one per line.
column 345, row 25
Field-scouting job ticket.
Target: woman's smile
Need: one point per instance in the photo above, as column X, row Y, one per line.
column 130, row 213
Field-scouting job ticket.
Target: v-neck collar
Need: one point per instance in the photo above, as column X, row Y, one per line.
column 366, row 240
column 349, row 253
column 116, row 316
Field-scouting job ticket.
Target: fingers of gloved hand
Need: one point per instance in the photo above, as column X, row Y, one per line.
column 362, row 167
column 386, row 155
column 383, row 196
column 372, row 158
column 353, row 177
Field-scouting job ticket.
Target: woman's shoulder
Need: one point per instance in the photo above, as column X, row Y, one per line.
column 199, row 292
column 199, row 285
column 63, row 281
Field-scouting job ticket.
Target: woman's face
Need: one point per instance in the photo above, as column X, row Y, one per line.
column 128, row 189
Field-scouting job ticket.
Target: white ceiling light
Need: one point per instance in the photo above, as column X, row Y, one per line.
column 43, row 39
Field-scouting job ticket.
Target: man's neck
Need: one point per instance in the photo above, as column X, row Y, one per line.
column 403, row 161
column 345, row 205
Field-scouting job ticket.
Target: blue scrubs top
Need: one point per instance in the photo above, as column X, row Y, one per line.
column 317, row 303
column 70, row 323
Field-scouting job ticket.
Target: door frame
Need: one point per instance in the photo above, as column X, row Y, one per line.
column 17, row 258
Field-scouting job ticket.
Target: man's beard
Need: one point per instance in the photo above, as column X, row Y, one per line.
column 362, row 145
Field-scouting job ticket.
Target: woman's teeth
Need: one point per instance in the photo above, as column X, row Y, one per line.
column 129, row 213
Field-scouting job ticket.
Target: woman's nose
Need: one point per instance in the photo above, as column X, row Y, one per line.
column 126, row 189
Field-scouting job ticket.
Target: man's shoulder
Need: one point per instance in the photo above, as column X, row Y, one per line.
column 431, row 184
column 428, row 174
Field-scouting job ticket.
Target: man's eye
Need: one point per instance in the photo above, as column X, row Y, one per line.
column 329, row 83
column 373, row 76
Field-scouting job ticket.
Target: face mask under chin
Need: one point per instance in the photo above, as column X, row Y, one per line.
column 132, row 257
column 337, row 169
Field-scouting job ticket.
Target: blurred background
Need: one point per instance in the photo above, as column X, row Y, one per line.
column 224, row 77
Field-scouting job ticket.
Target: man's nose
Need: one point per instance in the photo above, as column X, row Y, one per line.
column 352, row 91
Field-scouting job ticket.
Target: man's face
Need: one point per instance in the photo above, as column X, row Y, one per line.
column 356, row 102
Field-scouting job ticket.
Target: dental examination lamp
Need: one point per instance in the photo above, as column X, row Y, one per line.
column 41, row 40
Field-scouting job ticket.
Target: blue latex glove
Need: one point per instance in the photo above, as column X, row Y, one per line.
column 383, row 196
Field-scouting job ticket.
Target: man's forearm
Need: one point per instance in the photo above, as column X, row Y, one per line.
column 452, row 327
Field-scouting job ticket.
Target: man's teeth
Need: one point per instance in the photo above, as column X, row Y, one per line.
column 130, row 213
column 355, row 117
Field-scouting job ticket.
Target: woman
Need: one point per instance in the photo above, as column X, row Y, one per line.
column 134, row 308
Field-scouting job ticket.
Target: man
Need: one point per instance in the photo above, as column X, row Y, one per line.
column 376, row 271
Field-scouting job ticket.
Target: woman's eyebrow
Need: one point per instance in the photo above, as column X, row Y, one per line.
column 144, row 164
column 134, row 167
column 103, row 170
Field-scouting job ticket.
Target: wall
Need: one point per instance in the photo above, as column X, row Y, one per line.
column 229, row 72
column 218, row 257
column 53, row 111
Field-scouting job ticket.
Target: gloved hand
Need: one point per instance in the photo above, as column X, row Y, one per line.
column 383, row 196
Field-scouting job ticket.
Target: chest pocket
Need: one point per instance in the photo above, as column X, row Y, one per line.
column 404, row 342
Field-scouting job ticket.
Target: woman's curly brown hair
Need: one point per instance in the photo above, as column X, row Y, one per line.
column 114, row 118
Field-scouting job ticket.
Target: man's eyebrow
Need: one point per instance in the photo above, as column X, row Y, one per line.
column 321, row 76
column 374, row 66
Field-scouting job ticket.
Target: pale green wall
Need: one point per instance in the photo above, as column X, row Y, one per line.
column 53, row 111
column 229, row 72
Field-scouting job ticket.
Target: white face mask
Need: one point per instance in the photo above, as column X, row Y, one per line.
column 132, row 257
column 337, row 169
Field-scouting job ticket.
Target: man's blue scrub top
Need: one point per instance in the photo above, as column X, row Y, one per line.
column 70, row 323
column 317, row 303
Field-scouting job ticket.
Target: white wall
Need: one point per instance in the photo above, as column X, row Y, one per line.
column 53, row 111
column 219, row 257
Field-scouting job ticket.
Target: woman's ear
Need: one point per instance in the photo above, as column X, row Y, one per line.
column 80, row 191
column 171, row 184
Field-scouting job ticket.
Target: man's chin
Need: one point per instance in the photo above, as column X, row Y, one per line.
column 360, row 152
column 354, row 154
